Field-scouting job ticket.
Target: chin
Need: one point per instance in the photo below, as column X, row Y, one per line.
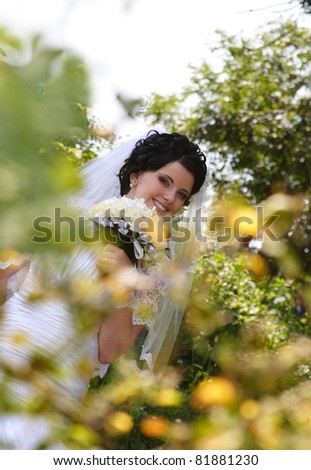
column 164, row 214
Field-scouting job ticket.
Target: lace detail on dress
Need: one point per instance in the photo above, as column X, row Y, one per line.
column 146, row 357
column 146, row 303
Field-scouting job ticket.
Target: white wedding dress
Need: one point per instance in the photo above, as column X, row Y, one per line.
column 38, row 323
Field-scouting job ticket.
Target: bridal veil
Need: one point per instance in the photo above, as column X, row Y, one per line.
column 100, row 182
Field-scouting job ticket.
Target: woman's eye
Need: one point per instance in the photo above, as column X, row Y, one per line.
column 164, row 180
column 183, row 196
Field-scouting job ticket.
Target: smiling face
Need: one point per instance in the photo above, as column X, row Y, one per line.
column 166, row 189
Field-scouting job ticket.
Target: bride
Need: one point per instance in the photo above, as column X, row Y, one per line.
column 41, row 327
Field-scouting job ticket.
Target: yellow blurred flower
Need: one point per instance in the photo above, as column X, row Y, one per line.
column 119, row 423
column 256, row 264
column 83, row 435
column 244, row 221
column 216, row 391
column 85, row 291
column 11, row 261
column 20, row 339
column 249, row 409
column 169, row 397
column 10, row 256
column 155, row 426
column 123, row 392
column 85, row 366
column 233, row 219
column 280, row 202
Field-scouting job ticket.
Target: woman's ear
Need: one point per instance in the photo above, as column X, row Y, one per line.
column 133, row 180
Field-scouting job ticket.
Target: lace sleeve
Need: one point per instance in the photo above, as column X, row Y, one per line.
column 146, row 303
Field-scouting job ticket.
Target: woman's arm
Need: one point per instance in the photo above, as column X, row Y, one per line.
column 117, row 335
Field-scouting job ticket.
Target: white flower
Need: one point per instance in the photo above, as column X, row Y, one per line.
column 133, row 211
column 136, row 223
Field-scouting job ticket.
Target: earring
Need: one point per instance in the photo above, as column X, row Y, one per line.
column 131, row 185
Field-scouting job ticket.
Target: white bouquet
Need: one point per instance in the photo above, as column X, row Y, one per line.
column 127, row 223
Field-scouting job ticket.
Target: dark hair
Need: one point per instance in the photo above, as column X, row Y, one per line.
column 160, row 149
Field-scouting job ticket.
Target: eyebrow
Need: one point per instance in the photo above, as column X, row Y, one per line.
column 172, row 181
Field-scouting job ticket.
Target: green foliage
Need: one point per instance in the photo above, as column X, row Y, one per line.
column 41, row 99
column 251, row 113
column 306, row 5
column 228, row 303
column 240, row 329
column 243, row 356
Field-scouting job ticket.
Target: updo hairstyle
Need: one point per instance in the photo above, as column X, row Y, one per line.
column 160, row 149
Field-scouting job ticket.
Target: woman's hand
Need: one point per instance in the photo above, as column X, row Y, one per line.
column 113, row 259
column 6, row 274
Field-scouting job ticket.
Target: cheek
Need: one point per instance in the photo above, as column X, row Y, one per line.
column 144, row 189
column 179, row 205
column 151, row 187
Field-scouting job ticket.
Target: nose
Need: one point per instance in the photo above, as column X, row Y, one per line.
column 169, row 195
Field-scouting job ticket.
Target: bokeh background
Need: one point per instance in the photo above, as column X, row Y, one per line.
column 77, row 75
